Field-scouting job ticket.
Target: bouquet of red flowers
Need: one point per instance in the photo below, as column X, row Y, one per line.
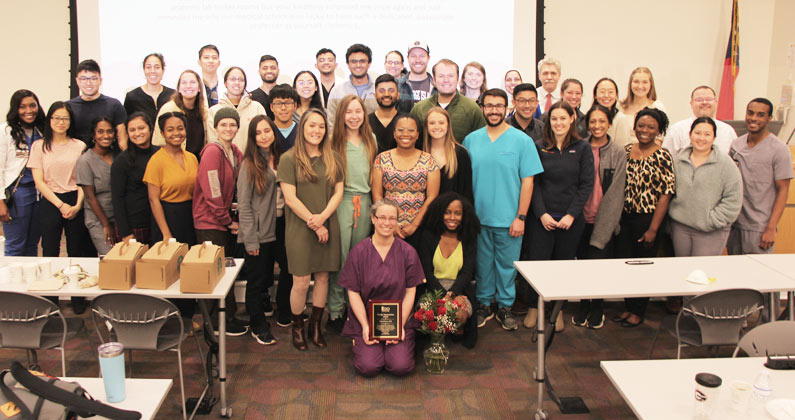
column 437, row 313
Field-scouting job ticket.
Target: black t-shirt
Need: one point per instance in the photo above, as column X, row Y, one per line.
column 326, row 93
column 384, row 136
column 260, row 96
column 138, row 101
column 194, row 142
column 85, row 112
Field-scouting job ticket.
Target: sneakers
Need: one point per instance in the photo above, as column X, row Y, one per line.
column 506, row 319
column 596, row 320
column 335, row 325
column 268, row 306
column 264, row 338
column 284, row 320
column 484, row 314
column 234, row 328
column 531, row 319
column 580, row 319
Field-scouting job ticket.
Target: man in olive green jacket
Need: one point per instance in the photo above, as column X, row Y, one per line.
column 465, row 114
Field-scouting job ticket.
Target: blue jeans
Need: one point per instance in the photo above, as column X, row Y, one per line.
column 23, row 231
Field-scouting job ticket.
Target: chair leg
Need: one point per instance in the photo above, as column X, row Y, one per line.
column 63, row 361
column 33, row 360
column 181, row 384
column 678, row 350
column 654, row 341
column 201, row 357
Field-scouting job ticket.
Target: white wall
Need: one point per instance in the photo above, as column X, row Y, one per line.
column 682, row 41
column 36, row 50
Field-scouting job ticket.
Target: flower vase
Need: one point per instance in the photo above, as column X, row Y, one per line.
column 436, row 354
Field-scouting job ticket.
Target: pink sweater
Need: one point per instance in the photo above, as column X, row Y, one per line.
column 215, row 188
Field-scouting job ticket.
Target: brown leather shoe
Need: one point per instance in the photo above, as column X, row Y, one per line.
column 314, row 327
column 299, row 335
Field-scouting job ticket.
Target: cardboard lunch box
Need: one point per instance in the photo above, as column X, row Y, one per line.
column 117, row 268
column 159, row 267
column 202, row 268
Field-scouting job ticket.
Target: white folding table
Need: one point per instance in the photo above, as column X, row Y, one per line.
column 91, row 265
column 143, row 395
column 614, row 278
column 784, row 264
column 664, row 389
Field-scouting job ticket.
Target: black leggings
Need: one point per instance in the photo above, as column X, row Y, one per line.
column 78, row 241
column 633, row 226
column 558, row 244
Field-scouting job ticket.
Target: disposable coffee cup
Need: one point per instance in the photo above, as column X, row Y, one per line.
column 45, row 269
column 741, row 396
column 15, row 272
column 30, row 272
column 71, row 272
column 707, row 394
column 111, row 365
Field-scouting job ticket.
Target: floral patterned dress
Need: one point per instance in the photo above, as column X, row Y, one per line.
column 406, row 187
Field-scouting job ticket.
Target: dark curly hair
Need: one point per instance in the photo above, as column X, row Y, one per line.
column 434, row 217
column 659, row 116
column 15, row 123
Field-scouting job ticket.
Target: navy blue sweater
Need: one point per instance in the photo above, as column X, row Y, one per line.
column 567, row 181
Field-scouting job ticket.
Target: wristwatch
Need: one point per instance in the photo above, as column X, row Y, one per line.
column 522, row 217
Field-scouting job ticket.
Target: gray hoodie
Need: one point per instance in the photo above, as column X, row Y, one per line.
column 707, row 198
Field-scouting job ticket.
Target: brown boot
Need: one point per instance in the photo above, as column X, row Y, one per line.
column 299, row 335
column 314, row 327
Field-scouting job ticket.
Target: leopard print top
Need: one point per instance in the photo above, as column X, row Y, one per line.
column 647, row 179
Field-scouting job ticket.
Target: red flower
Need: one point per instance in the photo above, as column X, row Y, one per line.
column 440, row 301
column 433, row 325
column 441, row 310
column 418, row 315
column 428, row 315
column 457, row 303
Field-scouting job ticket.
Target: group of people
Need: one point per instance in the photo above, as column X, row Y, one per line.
column 386, row 187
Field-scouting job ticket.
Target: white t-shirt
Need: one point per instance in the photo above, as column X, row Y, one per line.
column 678, row 136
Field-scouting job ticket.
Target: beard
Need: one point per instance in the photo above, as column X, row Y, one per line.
column 490, row 124
column 387, row 106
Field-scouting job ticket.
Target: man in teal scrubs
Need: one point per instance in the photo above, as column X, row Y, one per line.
column 504, row 161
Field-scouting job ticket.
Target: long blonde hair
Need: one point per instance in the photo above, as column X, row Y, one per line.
column 334, row 172
column 449, row 142
column 630, row 99
column 339, row 141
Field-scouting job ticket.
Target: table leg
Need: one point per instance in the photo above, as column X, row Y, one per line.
column 791, row 305
column 226, row 411
column 541, row 369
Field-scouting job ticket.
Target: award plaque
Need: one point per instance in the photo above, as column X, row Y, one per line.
column 385, row 318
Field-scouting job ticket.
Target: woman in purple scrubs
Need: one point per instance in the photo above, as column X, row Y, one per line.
column 382, row 266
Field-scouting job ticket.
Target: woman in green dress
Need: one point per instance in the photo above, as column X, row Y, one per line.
column 312, row 181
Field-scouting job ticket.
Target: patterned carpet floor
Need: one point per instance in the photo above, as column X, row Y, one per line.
column 492, row 381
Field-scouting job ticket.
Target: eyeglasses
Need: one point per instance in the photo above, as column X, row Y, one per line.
column 92, row 79
column 386, row 219
column 283, row 104
column 362, row 61
column 60, row 119
column 526, row 101
column 704, row 100
column 494, row 107
column 237, row 79
column 308, row 83
column 394, row 63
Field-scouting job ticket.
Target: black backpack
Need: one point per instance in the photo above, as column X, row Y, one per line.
column 33, row 396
